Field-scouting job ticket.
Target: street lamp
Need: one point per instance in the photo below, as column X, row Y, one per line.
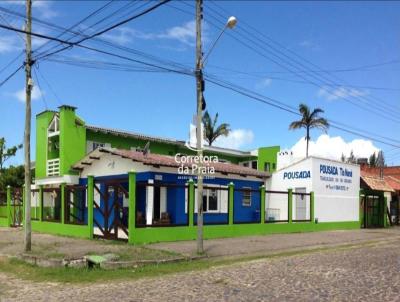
column 200, row 62
column 231, row 23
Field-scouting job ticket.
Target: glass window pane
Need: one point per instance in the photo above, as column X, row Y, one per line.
column 204, row 201
column 213, row 201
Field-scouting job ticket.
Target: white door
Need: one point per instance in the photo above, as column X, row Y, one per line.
column 301, row 204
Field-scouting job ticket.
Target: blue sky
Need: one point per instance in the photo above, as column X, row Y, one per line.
column 332, row 35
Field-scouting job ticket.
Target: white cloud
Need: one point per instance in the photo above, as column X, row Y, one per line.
column 125, row 35
column 333, row 147
column 309, row 44
column 264, row 83
column 236, row 139
column 42, row 9
column 339, row 93
column 185, row 34
column 20, row 94
column 9, row 44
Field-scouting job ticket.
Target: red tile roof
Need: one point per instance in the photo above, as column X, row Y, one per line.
column 374, row 182
column 394, row 182
column 169, row 161
column 392, row 171
column 377, row 184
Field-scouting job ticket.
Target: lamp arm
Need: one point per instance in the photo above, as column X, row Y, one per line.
column 213, row 46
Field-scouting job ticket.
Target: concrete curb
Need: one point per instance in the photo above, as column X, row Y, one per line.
column 107, row 265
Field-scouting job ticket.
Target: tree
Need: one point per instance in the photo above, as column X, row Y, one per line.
column 212, row 132
column 380, row 160
column 352, row 158
column 343, row 158
column 372, row 160
column 12, row 176
column 6, row 153
column 309, row 121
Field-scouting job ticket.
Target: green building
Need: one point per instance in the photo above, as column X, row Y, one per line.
column 63, row 138
column 96, row 181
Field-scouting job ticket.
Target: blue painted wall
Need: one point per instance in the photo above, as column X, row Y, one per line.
column 176, row 198
column 241, row 213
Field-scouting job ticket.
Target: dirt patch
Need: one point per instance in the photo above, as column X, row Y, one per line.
column 58, row 247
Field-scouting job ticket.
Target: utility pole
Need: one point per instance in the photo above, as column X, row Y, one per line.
column 199, row 133
column 27, row 134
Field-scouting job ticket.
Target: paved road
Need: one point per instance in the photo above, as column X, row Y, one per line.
column 368, row 273
column 271, row 244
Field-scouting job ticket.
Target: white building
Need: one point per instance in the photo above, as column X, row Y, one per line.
column 335, row 185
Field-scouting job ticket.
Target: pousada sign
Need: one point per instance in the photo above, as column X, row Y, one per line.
column 333, row 170
column 297, row 174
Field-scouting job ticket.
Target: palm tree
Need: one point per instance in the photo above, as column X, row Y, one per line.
column 212, row 132
column 309, row 121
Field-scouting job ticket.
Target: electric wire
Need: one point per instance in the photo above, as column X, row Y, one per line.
column 146, row 11
column 49, row 86
column 40, row 89
column 269, row 101
column 283, row 61
column 94, row 13
column 253, row 97
column 11, row 75
column 282, row 46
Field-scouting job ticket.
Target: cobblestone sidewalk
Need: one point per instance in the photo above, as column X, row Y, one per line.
column 270, row 244
column 357, row 274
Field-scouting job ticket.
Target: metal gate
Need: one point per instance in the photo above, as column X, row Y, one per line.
column 394, row 211
column 111, row 211
column 373, row 210
column 16, row 208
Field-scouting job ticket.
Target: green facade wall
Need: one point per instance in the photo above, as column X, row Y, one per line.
column 3, row 222
column 61, row 229
column 268, row 155
column 151, row 235
column 3, row 211
column 72, row 139
column 42, row 122
column 121, row 142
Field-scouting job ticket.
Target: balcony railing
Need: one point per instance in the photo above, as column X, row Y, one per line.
column 53, row 167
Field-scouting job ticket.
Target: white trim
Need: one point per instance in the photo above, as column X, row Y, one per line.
column 222, row 199
column 246, row 190
column 68, row 179
column 149, row 203
column 51, row 134
column 163, row 200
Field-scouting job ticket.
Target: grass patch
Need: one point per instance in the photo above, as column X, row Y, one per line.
column 73, row 275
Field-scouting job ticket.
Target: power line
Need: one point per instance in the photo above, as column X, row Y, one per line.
column 40, row 90
column 93, row 49
column 280, row 106
column 380, row 109
column 11, row 62
column 78, row 23
column 271, row 102
column 107, row 43
column 292, row 109
column 146, row 11
column 11, row 75
column 263, row 75
column 18, row 34
column 104, row 65
column 126, row 58
column 49, row 86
